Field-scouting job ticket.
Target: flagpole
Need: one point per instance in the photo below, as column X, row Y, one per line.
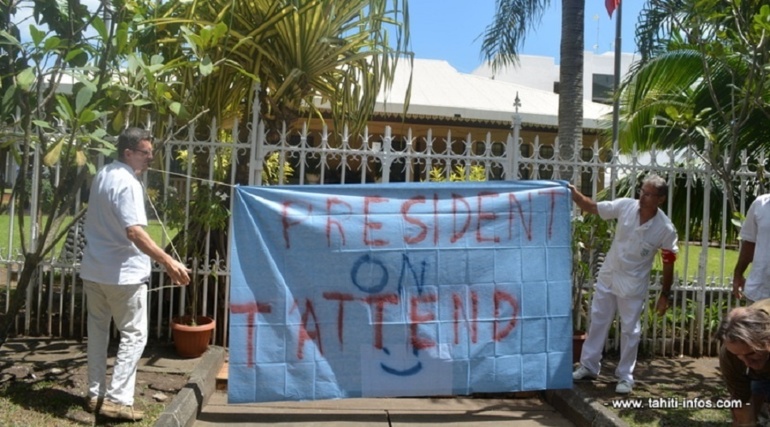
column 616, row 99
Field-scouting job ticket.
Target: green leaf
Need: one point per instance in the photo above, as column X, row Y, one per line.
column 26, row 79
column 175, row 107
column 73, row 54
column 121, row 39
column 79, row 60
column 64, row 108
column 139, row 102
column 249, row 75
column 90, row 85
column 83, row 98
column 87, row 116
column 154, row 69
column 10, row 39
column 37, row 35
column 134, row 62
column 100, row 27
column 51, row 43
column 118, row 120
column 42, row 124
column 703, row 132
column 8, row 98
column 673, row 113
column 205, row 36
column 220, row 30
column 106, row 151
column 206, row 67
column 99, row 134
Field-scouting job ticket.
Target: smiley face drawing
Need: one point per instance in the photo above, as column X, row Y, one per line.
column 377, row 284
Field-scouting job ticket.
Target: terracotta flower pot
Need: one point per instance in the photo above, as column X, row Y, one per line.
column 578, row 338
column 192, row 340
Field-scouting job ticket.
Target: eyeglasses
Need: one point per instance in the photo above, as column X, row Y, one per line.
column 644, row 193
column 145, row 152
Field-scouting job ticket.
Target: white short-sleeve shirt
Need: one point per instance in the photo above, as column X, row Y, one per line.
column 626, row 269
column 756, row 228
column 116, row 201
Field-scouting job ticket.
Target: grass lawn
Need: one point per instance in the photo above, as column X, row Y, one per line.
column 714, row 262
column 154, row 229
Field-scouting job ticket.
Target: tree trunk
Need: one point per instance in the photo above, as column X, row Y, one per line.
column 571, row 81
column 27, row 276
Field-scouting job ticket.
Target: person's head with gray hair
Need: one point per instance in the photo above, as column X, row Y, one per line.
column 660, row 185
column 653, row 192
column 745, row 332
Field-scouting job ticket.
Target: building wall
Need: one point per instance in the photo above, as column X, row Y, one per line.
column 542, row 72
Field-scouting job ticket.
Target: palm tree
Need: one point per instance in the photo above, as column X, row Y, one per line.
column 218, row 55
column 295, row 52
column 299, row 52
column 506, row 34
column 702, row 83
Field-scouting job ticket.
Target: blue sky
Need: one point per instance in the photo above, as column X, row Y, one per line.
column 450, row 29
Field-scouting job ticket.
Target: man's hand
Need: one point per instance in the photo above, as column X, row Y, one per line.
column 176, row 270
column 585, row 203
column 745, row 416
column 662, row 305
column 178, row 273
column 738, row 283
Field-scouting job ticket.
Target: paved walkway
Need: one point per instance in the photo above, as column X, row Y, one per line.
column 523, row 409
column 551, row 408
column 585, row 404
column 425, row 412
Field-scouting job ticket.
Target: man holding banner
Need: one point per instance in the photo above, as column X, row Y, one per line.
column 624, row 278
column 115, row 270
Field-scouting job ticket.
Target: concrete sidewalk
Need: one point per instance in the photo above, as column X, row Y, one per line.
column 200, row 404
column 425, row 412
column 552, row 408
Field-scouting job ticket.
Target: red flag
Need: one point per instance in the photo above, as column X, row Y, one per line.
column 611, row 5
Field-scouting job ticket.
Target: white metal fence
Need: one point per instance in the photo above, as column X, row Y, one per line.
column 190, row 167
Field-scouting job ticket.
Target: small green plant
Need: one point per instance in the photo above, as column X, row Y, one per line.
column 591, row 239
column 272, row 172
column 713, row 315
column 478, row 173
column 207, row 211
column 208, row 205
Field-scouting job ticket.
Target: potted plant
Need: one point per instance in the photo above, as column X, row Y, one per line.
column 203, row 238
column 192, row 330
column 591, row 239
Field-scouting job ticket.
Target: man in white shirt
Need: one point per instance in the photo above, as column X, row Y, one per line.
column 115, row 271
column 755, row 250
column 624, row 279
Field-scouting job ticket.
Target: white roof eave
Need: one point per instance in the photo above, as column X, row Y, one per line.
column 439, row 90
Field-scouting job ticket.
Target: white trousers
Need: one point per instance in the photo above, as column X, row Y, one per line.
column 603, row 308
column 127, row 305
